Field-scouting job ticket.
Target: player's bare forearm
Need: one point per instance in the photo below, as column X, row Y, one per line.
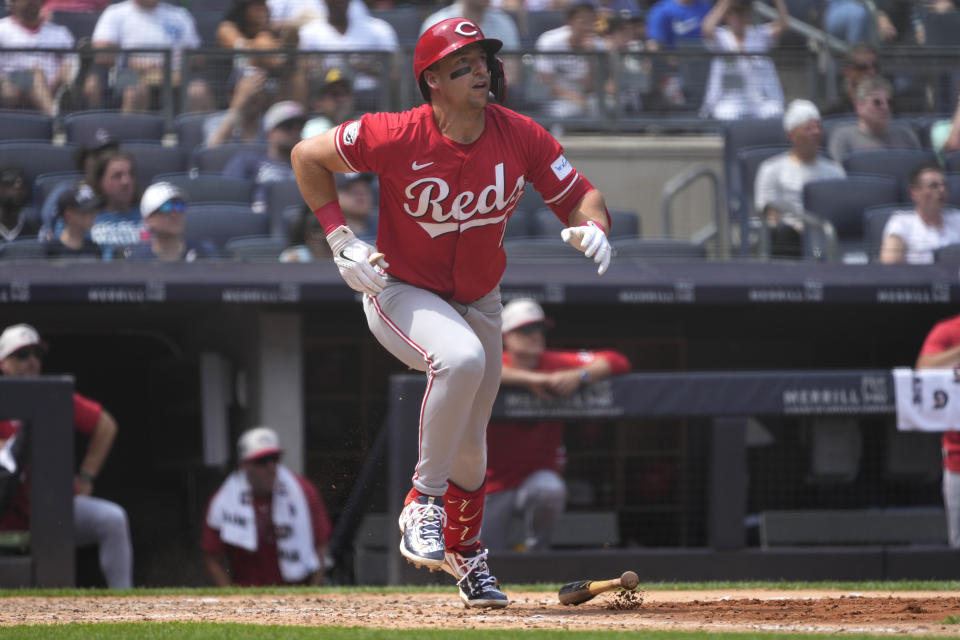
column 590, row 208
column 942, row 360
column 314, row 160
column 101, row 440
column 215, row 570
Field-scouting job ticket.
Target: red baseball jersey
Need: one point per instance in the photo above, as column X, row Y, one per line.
column 86, row 412
column 945, row 335
column 262, row 567
column 444, row 206
column 517, row 449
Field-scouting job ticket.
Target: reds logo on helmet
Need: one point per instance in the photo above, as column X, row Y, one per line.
column 447, row 36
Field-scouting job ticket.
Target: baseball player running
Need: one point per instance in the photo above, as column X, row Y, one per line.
column 451, row 173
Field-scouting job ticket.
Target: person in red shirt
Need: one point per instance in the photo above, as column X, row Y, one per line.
column 525, row 459
column 95, row 521
column 451, row 173
column 941, row 350
column 265, row 525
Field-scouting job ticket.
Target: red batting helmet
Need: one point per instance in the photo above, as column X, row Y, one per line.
column 447, row 36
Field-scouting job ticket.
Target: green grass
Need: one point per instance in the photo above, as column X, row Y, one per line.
column 904, row 585
column 212, row 631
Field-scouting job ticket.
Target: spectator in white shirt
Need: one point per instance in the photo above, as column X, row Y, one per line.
column 913, row 236
column 778, row 188
column 570, row 79
column 495, row 23
column 30, row 80
column 743, row 86
column 347, row 29
column 150, row 24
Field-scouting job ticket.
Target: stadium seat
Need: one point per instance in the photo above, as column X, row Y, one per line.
column 405, row 20
column 953, row 189
column 949, row 254
column 44, row 183
column 79, row 23
column 520, row 224
column 152, row 159
column 941, row 29
column 279, row 196
column 548, row 249
column 625, row 224
column 218, row 222
column 874, row 221
column 740, row 134
column 189, row 130
column 255, row 248
column 36, row 158
column 831, row 123
column 210, row 187
column 895, row 163
column 951, row 162
column 842, row 203
column 748, row 162
column 86, row 127
column 23, row 249
column 25, row 125
column 214, row 159
column 658, row 249
column 531, row 200
column 207, row 22
column 538, row 22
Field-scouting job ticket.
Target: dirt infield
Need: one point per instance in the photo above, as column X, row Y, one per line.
column 820, row 611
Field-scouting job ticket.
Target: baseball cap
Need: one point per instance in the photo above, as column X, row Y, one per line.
column 282, row 112
column 257, row 443
column 521, row 312
column 81, row 197
column 336, row 76
column 95, row 138
column 799, row 112
column 16, row 337
column 158, row 193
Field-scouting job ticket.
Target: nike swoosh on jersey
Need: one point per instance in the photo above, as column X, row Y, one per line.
column 416, row 166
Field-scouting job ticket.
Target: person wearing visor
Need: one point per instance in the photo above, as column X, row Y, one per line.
column 164, row 208
column 265, row 525
column 451, row 172
column 95, row 520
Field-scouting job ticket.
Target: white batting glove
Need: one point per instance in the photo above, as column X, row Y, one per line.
column 352, row 257
column 592, row 240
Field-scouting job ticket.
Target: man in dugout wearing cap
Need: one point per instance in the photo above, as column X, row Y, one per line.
column 94, row 520
column 265, row 525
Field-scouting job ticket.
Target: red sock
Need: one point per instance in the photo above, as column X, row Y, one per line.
column 464, row 517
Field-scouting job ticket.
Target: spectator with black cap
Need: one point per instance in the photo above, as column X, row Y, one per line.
column 77, row 207
column 333, row 103
column 164, row 207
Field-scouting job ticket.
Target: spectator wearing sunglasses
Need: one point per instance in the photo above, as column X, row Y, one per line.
column 861, row 62
column 265, row 525
column 874, row 129
column 94, row 520
column 283, row 123
column 164, row 207
column 525, row 460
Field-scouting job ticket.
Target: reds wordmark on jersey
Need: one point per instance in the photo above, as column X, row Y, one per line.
column 444, row 206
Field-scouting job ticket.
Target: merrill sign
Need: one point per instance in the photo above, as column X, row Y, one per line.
column 872, row 396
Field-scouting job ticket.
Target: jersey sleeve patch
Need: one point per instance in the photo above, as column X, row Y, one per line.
column 561, row 168
column 351, row 132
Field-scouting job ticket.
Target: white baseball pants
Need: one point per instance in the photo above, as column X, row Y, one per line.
column 104, row 523
column 951, row 503
column 460, row 348
column 538, row 501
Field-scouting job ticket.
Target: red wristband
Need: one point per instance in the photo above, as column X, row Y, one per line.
column 602, row 228
column 330, row 216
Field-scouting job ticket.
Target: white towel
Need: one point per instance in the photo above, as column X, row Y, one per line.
column 927, row 399
column 231, row 513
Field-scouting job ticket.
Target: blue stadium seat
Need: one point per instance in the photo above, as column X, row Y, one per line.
column 23, row 249
column 625, row 224
column 210, row 187
column 25, row 125
column 189, row 130
column 949, row 254
column 894, row 163
column 953, row 189
column 538, row 22
column 79, row 23
column 951, row 162
column 531, row 200
column 658, row 249
column 152, row 159
column 207, row 22
column 44, row 183
column 218, row 222
column 520, row 224
column 941, row 29
column 842, row 203
column 36, row 158
column 536, row 249
column 214, row 159
column 86, row 127
column 279, row 196
column 255, row 248
column 405, row 20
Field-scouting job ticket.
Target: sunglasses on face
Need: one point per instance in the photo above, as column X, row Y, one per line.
column 265, row 460
column 25, row 352
column 530, row 329
column 172, row 206
column 879, row 102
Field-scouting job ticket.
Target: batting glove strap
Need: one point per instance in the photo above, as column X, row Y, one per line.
column 351, row 257
column 593, row 243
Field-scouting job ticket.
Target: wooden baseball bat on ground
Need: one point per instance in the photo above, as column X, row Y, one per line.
column 583, row 590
